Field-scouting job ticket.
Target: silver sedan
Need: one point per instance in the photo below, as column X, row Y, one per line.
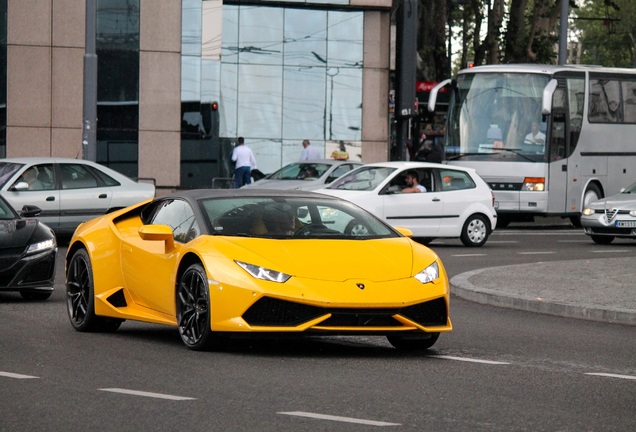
column 611, row 217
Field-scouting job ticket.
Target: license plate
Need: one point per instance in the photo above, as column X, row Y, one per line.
column 625, row 224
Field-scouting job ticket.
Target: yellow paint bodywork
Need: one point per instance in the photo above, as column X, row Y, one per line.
column 324, row 273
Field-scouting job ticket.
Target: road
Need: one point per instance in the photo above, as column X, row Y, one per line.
column 499, row 370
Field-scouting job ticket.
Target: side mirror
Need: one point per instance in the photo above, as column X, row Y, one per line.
column 20, row 186
column 432, row 98
column 158, row 233
column 29, row 211
column 404, row 231
column 548, row 92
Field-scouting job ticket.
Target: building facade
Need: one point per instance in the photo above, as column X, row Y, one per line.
column 179, row 81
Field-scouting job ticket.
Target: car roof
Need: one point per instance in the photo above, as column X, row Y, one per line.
column 44, row 159
column 401, row 165
column 325, row 161
column 198, row 194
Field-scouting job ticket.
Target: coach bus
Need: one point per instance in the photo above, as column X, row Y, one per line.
column 548, row 139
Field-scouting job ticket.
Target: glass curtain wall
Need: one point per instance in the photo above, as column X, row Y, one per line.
column 117, row 46
column 3, row 78
column 289, row 74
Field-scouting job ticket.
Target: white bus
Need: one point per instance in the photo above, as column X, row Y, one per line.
column 581, row 147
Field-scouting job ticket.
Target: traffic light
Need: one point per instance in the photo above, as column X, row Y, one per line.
column 214, row 106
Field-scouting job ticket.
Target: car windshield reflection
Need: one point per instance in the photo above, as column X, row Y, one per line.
column 292, row 218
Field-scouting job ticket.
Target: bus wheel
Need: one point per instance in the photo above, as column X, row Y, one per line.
column 602, row 239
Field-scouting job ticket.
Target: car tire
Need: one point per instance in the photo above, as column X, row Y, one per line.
column 80, row 296
column 604, row 240
column 403, row 342
column 193, row 309
column 424, row 240
column 356, row 228
column 36, row 295
column 475, row 231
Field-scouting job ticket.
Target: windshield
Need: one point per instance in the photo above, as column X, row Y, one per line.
column 362, row 179
column 292, row 218
column 7, row 169
column 497, row 116
column 300, row 171
column 631, row 189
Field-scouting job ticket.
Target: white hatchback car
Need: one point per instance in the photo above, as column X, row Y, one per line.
column 457, row 202
column 69, row 191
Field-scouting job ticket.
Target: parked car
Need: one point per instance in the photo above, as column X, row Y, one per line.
column 27, row 253
column 68, row 191
column 457, row 201
column 220, row 262
column 611, row 217
column 306, row 175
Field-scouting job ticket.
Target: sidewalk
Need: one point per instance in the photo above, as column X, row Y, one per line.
column 593, row 289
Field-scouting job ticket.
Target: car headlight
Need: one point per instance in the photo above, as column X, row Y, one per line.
column 264, row 273
column 41, row 246
column 632, row 213
column 588, row 211
column 429, row 274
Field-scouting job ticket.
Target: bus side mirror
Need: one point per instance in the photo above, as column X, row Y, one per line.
column 548, row 92
column 432, row 98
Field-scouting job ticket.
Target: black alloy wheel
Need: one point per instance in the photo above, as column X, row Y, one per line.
column 80, row 298
column 193, row 309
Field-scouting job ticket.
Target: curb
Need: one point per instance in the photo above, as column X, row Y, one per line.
column 463, row 288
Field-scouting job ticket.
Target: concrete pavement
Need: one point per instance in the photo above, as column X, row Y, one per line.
column 594, row 289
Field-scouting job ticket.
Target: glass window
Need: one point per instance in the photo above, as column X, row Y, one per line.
column 261, row 35
column 455, row 180
column 605, row 101
column 178, row 215
column 304, row 102
column 76, row 176
column 305, row 38
column 629, row 98
column 39, row 177
column 260, row 100
column 117, row 45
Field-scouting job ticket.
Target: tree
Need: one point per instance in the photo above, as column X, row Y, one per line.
column 608, row 32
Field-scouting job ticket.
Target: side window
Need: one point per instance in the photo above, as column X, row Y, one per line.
column 455, row 180
column 77, row 176
column 39, row 177
column 342, row 169
column 178, row 215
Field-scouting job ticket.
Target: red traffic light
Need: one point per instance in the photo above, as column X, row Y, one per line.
column 215, row 106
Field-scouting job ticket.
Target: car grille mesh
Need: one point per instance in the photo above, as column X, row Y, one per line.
column 280, row 313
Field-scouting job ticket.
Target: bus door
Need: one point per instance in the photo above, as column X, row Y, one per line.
column 557, row 165
column 564, row 183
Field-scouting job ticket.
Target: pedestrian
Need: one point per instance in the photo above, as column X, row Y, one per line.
column 309, row 152
column 244, row 161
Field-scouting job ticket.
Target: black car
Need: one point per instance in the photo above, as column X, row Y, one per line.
column 27, row 253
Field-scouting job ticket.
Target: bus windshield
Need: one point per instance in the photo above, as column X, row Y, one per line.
column 497, row 117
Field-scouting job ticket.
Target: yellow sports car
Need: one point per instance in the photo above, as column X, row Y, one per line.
column 217, row 263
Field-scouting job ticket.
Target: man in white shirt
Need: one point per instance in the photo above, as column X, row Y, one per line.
column 244, row 161
column 535, row 136
column 309, row 152
column 413, row 183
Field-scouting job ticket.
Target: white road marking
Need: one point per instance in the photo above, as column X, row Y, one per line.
column 502, row 241
column 16, row 376
column 146, row 394
column 573, row 241
column 610, row 251
column 627, row 377
column 536, row 253
column 465, row 359
column 470, row 255
column 338, row 418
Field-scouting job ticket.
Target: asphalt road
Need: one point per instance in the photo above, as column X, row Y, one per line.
column 499, row 370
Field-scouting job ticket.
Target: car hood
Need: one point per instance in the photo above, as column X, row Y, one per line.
column 16, row 233
column 375, row 260
column 622, row 201
column 284, row 184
